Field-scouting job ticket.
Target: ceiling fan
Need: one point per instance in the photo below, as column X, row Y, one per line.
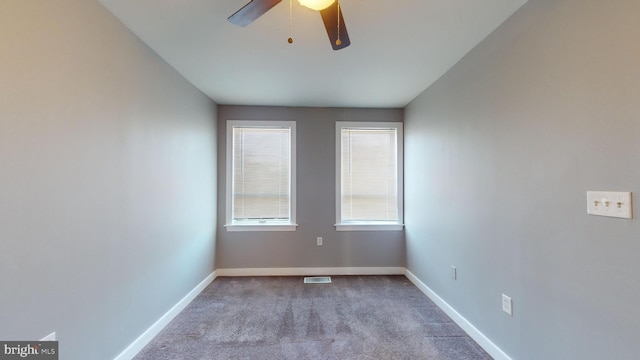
column 329, row 10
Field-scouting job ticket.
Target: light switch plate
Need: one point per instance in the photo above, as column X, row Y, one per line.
column 609, row 203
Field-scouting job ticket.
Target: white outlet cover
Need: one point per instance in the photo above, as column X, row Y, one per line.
column 507, row 305
column 610, row 203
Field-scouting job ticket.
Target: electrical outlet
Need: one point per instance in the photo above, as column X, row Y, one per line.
column 507, row 305
column 454, row 273
column 319, row 241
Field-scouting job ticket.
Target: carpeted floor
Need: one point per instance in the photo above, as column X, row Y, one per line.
column 354, row 317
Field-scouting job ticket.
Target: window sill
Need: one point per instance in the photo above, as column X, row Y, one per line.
column 369, row 227
column 261, row 227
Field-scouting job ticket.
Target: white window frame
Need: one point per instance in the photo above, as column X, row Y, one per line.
column 369, row 225
column 260, row 225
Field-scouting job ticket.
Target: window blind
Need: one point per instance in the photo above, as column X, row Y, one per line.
column 369, row 175
column 261, row 173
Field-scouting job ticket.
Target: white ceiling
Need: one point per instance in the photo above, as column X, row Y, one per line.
column 398, row 48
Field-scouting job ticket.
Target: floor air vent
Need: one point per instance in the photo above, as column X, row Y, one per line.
column 318, row 280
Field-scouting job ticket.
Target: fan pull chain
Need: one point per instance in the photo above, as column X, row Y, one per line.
column 338, row 42
column 290, row 40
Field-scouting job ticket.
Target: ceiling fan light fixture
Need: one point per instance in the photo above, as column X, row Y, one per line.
column 316, row 4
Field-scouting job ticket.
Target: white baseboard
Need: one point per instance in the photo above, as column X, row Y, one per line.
column 50, row 337
column 132, row 350
column 312, row 271
column 484, row 342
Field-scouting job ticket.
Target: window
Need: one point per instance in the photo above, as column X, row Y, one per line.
column 261, row 176
column 368, row 176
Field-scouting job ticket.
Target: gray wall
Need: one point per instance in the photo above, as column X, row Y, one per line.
column 315, row 143
column 499, row 155
column 107, row 179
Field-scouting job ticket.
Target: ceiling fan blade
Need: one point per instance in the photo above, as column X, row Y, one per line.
column 252, row 11
column 330, row 19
